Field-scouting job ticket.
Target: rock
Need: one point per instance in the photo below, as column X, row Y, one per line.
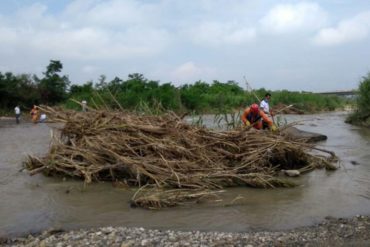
column 355, row 163
column 291, row 173
column 297, row 134
column 332, row 231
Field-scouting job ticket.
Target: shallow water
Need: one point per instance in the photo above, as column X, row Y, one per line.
column 34, row 203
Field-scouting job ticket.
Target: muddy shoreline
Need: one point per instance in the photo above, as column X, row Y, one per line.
column 353, row 231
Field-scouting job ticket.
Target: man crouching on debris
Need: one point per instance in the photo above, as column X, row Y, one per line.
column 254, row 116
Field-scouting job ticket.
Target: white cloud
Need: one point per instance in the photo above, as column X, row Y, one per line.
column 33, row 31
column 218, row 38
column 298, row 17
column 217, row 34
column 34, row 11
column 34, row 16
column 354, row 29
column 190, row 72
column 113, row 13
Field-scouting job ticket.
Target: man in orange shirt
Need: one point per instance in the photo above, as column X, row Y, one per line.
column 254, row 116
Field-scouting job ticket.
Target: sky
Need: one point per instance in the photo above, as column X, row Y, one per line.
column 313, row 46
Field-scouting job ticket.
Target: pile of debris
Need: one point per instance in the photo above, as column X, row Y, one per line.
column 169, row 160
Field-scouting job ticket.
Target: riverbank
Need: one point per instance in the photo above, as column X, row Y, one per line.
column 357, row 120
column 331, row 232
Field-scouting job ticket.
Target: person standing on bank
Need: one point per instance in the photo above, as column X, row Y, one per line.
column 84, row 105
column 17, row 111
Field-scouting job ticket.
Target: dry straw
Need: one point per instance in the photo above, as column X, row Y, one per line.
column 170, row 161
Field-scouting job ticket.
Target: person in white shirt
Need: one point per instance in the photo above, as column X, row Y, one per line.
column 265, row 104
column 265, row 107
column 42, row 118
column 17, row 111
column 84, row 105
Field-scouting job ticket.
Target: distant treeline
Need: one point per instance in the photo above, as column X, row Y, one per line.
column 25, row 90
column 138, row 93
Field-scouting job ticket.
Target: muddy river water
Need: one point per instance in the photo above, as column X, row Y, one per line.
column 35, row 203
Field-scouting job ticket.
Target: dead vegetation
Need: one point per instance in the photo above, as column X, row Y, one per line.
column 286, row 109
column 169, row 160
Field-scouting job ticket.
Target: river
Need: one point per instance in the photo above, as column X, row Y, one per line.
column 35, row 203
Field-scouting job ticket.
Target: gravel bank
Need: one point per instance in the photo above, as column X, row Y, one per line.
column 331, row 232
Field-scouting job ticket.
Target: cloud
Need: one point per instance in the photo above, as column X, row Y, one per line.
column 34, row 31
column 220, row 33
column 113, row 13
column 354, row 29
column 184, row 41
column 298, row 17
column 189, row 71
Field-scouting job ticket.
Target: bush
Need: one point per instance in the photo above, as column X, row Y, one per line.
column 361, row 116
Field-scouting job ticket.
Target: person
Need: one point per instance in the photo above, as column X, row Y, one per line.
column 42, row 117
column 253, row 116
column 84, row 105
column 34, row 114
column 265, row 104
column 17, row 111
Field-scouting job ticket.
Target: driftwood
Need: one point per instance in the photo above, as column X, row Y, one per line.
column 169, row 160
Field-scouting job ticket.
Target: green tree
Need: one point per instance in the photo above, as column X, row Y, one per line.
column 363, row 100
column 53, row 87
column 193, row 96
column 17, row 89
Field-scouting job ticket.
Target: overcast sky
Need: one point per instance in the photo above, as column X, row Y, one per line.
column 294, row 45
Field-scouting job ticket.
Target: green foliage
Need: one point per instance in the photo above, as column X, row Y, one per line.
column 53, row 87
column 17, row 90
column 137, row 93
column 26, row 90
column 307, row 101
column 140, row 94
column 363, row 100
column 79, row 93
column 362, row 115
column 217, row 97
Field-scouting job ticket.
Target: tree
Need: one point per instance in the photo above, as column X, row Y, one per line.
column 53, row 87
column 363, row 100
column 17, row 89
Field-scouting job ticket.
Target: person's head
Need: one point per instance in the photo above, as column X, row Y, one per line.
column 267, row 96
column 254, row 108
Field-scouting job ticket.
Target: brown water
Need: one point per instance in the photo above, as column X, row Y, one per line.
column 34, row 203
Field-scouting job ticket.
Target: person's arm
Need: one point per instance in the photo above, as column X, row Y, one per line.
column 244, row 115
